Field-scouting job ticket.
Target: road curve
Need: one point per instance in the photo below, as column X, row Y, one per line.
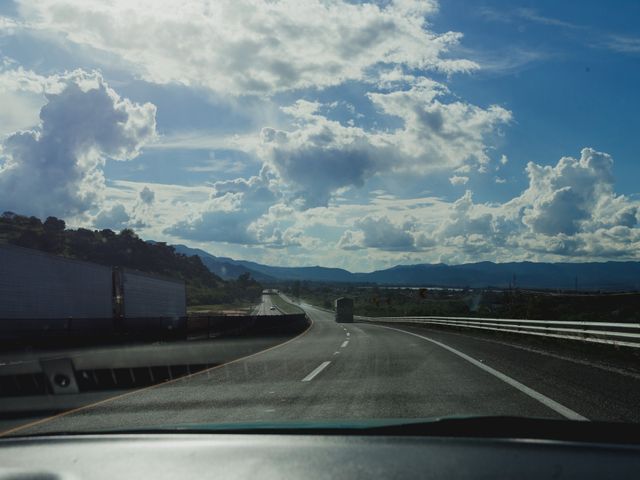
column 362, row 371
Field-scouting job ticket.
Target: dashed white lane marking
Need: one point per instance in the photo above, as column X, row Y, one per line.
column 336, row 353
column 552, row 404
column 344, row 344
column 348, row 334
column 316, row 371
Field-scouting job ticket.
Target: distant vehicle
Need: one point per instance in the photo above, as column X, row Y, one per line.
column 344, row 310
column 44, row 292
column 272, row 308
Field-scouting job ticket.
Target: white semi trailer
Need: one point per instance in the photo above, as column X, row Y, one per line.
column 39, row 291
column 148, row 301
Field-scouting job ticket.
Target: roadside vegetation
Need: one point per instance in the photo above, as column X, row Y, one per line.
column 239, row 308
column 126, row 249
column 507, row 303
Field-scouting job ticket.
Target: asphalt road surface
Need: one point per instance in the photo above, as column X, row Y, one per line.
column 266, row 307
column 362, row 371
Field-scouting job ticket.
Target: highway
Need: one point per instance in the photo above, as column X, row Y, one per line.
column 362, row 371
column 266, row 307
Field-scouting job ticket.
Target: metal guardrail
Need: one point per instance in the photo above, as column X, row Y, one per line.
column 610, row 333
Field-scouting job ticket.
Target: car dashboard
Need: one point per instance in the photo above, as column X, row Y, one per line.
column 266, row 456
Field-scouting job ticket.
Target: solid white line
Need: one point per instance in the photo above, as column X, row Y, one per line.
column 565, row 358
column 344, row 344
column 318, row 369
column 552, row 404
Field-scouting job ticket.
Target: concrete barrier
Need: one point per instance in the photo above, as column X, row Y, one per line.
column 219, row 325
column 125, row 365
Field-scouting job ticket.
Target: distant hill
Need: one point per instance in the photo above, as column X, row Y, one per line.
column 229, row 268
column 225, row 268
column 313, row 274
column 586, row 276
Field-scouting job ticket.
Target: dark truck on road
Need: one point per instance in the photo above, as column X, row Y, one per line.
column 344, row 310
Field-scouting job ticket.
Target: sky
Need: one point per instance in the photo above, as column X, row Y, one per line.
column 359, row 135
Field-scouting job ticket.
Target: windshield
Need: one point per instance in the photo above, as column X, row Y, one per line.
column 333, row 213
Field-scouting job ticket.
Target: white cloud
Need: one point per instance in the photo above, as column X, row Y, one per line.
column 248, row 215
column 217, row 165
column 402, row 234
column 458, row 180
column 569, row 210
column 56, row 168
column 304, row 199
column 164, row 194
column 230, row 212
column 445, row 135
column 392, row 78
column 142, row 212
column 19, row 111
column 246, row 46
column 464, row 222
column 623, row 44
column 114, row 218
column 567, row 197
column 351, row 240
column 147, row 195
column 14, row 78
column 170, row 202
column 195, row 140
column 8, row 25
column 510, row 15
column 21, row 96
column 381, row 233
column 320, row 157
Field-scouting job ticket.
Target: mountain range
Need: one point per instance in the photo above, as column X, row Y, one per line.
column 582, row 276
